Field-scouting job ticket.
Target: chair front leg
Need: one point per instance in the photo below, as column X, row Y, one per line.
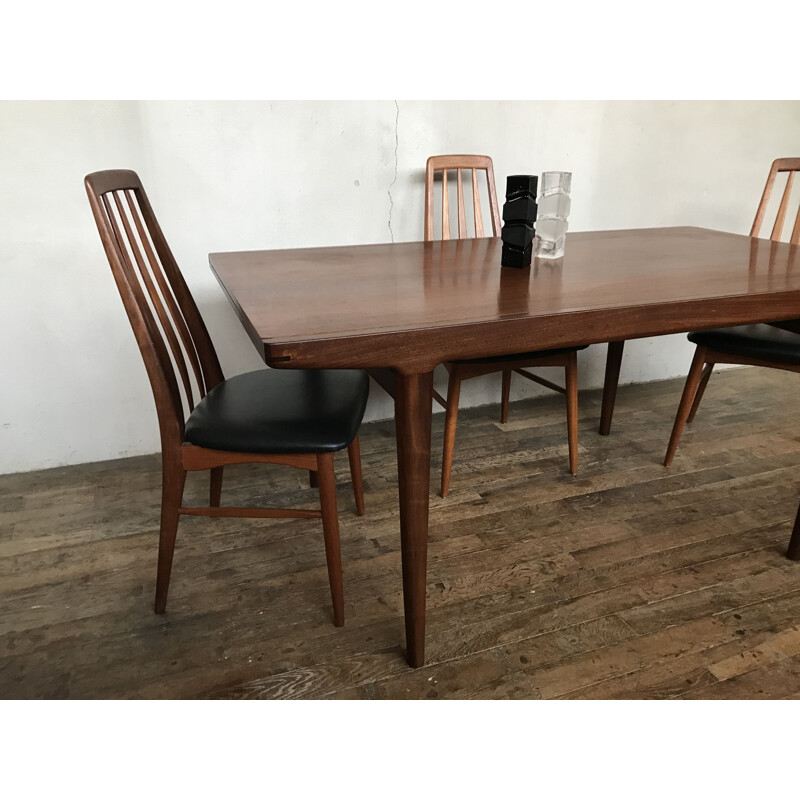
column 700, row 389
column 354, row 456
column 451, row 418
column 572, row 410
column 689, row 394
column 330, row 528
column 215, row 492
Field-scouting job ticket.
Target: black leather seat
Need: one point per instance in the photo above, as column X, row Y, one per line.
column 753, row 341
column 522, row 356
column 281, row 411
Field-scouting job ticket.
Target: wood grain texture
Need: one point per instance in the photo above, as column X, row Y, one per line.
column 401, row 305
column 629, row 581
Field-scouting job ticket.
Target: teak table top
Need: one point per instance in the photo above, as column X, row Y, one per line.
column 309, row 306
column 411, row 306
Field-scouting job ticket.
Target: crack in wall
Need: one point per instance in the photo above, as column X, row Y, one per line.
column 394, row 180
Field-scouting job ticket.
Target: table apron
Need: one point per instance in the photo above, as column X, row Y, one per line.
column 420, row 350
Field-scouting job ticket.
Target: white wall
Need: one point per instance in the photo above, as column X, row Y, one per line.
column 243, row 175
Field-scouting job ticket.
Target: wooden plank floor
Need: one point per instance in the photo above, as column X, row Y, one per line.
column 627, row 581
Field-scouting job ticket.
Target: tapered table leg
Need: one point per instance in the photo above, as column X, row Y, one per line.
column 613, row 362
column 413, row 425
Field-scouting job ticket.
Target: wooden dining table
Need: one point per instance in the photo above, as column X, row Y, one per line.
column 399, row 310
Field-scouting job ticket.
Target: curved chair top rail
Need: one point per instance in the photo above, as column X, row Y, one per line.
column 459, row 163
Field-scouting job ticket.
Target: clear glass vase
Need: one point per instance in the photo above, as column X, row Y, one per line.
column 551, row 221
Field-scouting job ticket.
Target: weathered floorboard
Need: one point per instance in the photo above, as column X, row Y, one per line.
column 628, row 580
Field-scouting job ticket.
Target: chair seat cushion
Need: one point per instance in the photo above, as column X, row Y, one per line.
column 753, row 341
column 532, row 355
column 281, row 411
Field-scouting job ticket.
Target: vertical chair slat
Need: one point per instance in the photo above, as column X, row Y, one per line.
column 157, row 304
column 476, row 204
column 166, row 292
column 155, row 340
column 765, row 195
column 796, row 230
column 128, row 271
column 494, row 209
column 445, row 208
column 428, row 232
column 778, row 227
column 462, row 222
column 204, row 347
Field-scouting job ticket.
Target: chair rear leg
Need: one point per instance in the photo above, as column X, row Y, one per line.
column 173, row 482
column 610, row 383
column 451, row 418
column 215, row 493
column 506, row 396
column 330, row 528
column 794, row 543
column 572, row 410
column 354, row 455
column 312, row 479
column 689, row 393
column 700, row 389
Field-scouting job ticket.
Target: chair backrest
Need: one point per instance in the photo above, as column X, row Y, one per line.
column 789, row 166
column 171, row 334
column 458, row 163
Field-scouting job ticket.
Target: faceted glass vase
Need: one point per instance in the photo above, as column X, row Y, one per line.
column 551, row 222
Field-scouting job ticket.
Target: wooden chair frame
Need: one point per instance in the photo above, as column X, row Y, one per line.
column 173, row 338
column 790, row 165
column 704, row 357
column 699, row 373
column 462, row 370
column 458, row 163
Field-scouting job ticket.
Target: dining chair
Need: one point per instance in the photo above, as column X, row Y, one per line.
column 566, row 357
column 775, row 345
column 298, row 418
